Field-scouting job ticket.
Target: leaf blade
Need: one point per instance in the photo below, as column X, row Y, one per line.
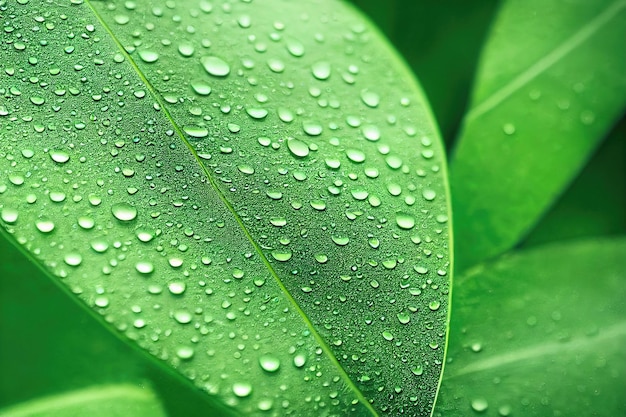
column 540, row 108
column 169, row 246
column 540, row 332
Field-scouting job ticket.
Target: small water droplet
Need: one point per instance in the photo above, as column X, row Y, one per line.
column 387, row 335
column 479, row 405
column 196, row 131
column 508, row 128
column 60, row 157
column 434, row 305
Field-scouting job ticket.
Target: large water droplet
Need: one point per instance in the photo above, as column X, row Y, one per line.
column 321, row 70
column 124, row 211
column 148, row 56
column 242, row 389
column 215, row 66
column 370, row 98
column 479, row 405
column 405, row 221
column 269, row 363
column 298, row 148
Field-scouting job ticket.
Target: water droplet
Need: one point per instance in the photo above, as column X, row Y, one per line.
column 201, row 88
column 405, row 221
column 176, row 287
column 196, row 131
column 434, row 305
column 148, row 56
column 359, row 194
column 246, row 169
column 59, row 156
column 355, row 155
column 299, row 360
column 278, row 221
column 73, row 259
column 370, row 98
column 417, row 370
column 298, row 148
column 186, row 49
column 479, row 405
column 340, row 240
column 256, row 113
column 319, row 205
column 508, row 128
column 269, row 363
column 321, row 70
column 185, row 352
column 429, row 194
column 404, row 318
column 9, row 215
column 295, row 48
column 281, row 255
column 144, row 267
column 242, row 389
column 124, row 211
column 387, row 335
column 312, row 128
column 321, row 258
column 393, row 161
column 182, row 316
column 371, row 132
column 44, row 225
column 276, row 65
column 215, row 66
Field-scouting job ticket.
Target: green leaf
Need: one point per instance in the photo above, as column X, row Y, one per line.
column 96, row 401
column 551, row 83
column 595, row 203
column 253, row 193
column 540, row 333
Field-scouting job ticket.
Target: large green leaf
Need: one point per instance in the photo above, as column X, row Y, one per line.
column 97, row 401
column 254, row 193
column 540, row 333
column 551, row 83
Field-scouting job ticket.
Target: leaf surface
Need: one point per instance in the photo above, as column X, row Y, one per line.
column 97, row 401
column 538, row 333
column 551, row 83
column 254, row 193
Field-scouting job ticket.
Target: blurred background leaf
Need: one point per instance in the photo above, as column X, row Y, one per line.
column 441, row 41
column 540, row 333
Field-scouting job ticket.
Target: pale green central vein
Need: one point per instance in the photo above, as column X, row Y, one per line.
column 72, row 399
column 229, row 206
column 547, row 61
column 541, row 350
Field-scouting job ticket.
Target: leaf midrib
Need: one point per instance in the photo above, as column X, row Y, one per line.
column 324, row 346
column 541, row 350
column 547, row 61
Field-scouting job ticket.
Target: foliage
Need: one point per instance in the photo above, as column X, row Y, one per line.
column 251, row 198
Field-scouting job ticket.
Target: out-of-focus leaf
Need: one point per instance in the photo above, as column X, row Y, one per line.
column 540, row 333
column 96, row 401
column 551, row 83
column 595, row 203
column 254, row 193
column 441, row 41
